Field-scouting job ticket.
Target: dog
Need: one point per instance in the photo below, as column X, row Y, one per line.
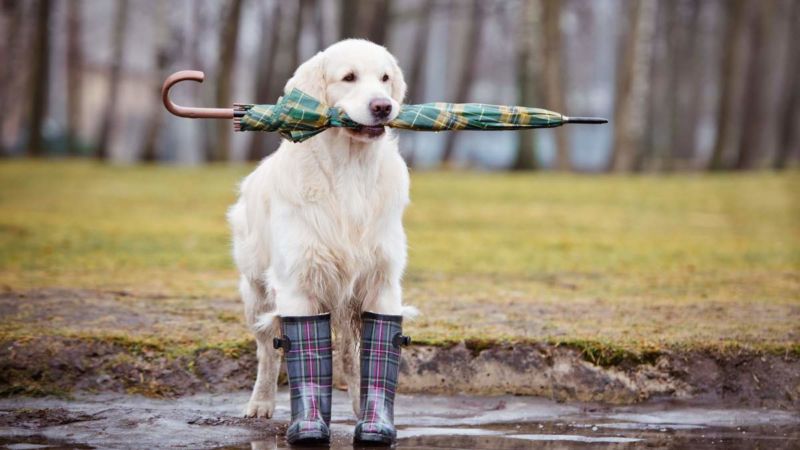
column 318, row 225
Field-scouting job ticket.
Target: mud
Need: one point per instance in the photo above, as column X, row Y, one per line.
column 50, row 364
column 60, row 341
column 424, row 421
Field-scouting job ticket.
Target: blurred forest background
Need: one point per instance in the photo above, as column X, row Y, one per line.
column 688, row 84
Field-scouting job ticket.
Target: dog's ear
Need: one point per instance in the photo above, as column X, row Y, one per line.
column 398, row 82
column 310, row 78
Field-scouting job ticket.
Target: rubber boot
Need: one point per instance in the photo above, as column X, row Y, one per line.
column 306, row 344
column 381, row 338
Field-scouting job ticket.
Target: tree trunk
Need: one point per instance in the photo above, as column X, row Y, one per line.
column 789, row 106
column 13, row 13
column 118, row 44
column 319, row 25
column 164, row 53
column 228, row 43
column 553, row 76
column 379, row 21
column 41, row 80
column 469, row 63
column 693, row 84
column 297, row 32
column 631, row 85
column 419, row 55
column 348, row 18
column 526, row 37
column 732, row 59
column 74, row 75
column 268, row 51
column 752, row 117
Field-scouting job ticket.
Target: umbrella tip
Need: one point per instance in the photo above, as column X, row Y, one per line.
column 591, row 120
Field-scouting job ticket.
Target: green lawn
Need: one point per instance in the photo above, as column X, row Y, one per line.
column 634, row 262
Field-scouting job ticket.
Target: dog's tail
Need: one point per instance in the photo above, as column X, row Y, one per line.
column 409, row 312
column 265, row 321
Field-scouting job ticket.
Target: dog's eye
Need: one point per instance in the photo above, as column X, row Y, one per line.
column 350, row 77
column 385, row 78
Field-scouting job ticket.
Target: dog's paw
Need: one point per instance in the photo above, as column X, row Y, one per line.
column 356, row 399
column 260, row 408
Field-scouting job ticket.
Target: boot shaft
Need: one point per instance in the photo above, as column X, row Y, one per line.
column 381, row 338
column 306, row 344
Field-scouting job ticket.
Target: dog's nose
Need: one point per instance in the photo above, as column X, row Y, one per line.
column 380, row 108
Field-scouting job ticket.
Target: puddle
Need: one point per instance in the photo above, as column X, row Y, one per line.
column 424, row 421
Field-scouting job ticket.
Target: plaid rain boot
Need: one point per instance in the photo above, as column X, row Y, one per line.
column 381, row 338
column 306, row 345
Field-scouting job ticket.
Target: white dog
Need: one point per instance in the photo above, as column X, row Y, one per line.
column 318, row 225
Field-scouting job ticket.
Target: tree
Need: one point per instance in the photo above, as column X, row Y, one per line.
column 469, row 68
column 74, row 74
column 379, row 20
column 12, row 18
column 752, row 118
column 692, row 84
column 348, row 18
column 267, row 69
column 419, row 53
column 553, row 75
column 789, row 106
column 732, row 59
column 118, row 47
column 228, row 43
column 164, row 53
column 40, row 71
column 525, row 158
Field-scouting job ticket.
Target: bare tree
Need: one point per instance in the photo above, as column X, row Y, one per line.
column 268, row 51
column 41, row 80
column 752, row 118
column 164, row 54
column 528, row 22
column 348, row 18
column 74, row 74
column 297, row 31
column 228, row 43
column 732, row 59
column 789, row 106
column 12, row 19
column 419, row 53
column 553, row 75
column 631, row 89
column 118, row 46
column 379, row 21
column 692, row 84
column 469, row 61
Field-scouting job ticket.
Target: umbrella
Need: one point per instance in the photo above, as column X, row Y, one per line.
column 298, row 116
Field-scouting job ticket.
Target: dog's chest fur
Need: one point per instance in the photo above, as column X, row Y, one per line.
column 346, row 193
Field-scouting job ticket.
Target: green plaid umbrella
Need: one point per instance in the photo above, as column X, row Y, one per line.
column 298, row 116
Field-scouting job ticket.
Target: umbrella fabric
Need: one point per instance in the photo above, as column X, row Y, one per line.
column 297, row 116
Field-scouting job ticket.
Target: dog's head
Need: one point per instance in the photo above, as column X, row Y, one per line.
column 359, row 76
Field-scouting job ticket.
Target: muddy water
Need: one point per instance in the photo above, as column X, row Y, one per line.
column 213, row 421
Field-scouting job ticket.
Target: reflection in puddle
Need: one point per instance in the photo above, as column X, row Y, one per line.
column 574, row 438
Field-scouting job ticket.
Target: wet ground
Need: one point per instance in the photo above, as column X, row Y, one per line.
column 213, row 421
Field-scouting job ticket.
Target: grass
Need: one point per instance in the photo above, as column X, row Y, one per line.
column 606, row 264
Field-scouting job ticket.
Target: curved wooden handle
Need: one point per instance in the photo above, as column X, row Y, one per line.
column 188, row 111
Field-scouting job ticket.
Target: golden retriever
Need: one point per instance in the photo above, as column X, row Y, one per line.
column 318, row 225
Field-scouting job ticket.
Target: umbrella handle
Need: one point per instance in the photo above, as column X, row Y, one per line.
column 187, row 111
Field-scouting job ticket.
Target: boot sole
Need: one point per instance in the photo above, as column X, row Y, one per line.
column 374, row 439
column 309, row 439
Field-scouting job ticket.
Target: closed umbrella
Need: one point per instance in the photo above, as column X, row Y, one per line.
column 298, row 116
